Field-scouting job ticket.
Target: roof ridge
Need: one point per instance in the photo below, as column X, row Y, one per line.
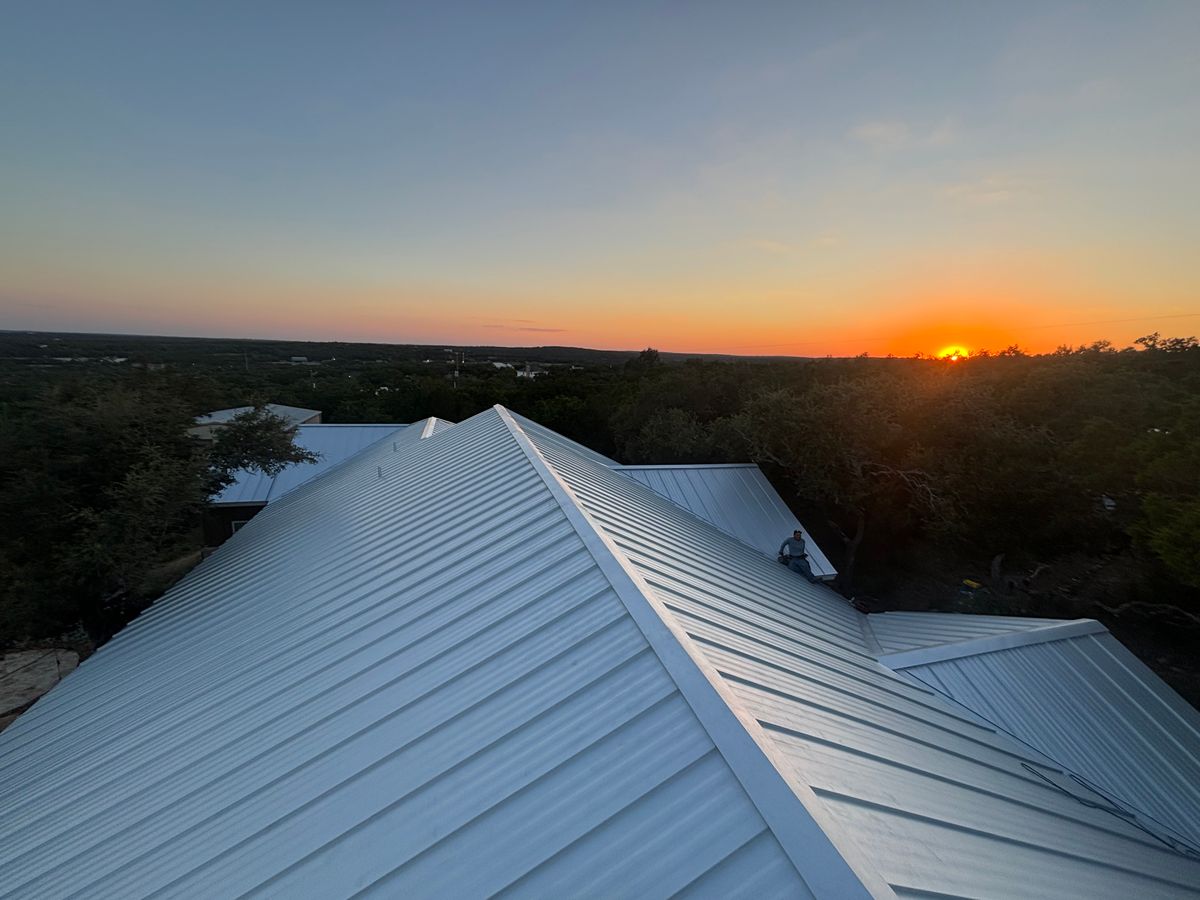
column 792, row 812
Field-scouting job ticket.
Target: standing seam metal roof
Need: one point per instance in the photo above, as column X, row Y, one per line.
column 358, row 693
column 332, row 443
column 915, row 790
column 738, row 499
column 1108, row 719
column 478, row 663
column 897, row 631
column 293, row 415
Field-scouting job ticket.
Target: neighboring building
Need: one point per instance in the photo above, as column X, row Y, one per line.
column 483, row 659
column 253, row 490
column 293, row 415
column 529, row 371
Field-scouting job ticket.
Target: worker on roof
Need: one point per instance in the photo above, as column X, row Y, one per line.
column 794, row 555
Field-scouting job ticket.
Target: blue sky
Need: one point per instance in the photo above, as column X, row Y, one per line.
column 694, row 176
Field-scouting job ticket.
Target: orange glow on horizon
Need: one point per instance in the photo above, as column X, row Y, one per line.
column 950, row 322
column 954, row 353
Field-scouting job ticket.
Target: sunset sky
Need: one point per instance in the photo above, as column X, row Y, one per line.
column 775, row 178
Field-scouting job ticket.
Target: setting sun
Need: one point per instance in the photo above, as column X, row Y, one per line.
column 953, row 353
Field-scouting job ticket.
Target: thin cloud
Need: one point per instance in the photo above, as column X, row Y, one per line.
column 826, row 240
column 991, row 190
column 512, row 326
column 885, row 135
column 896, row 134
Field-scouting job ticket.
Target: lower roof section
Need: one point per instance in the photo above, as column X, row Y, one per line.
column 896, row 632
column 333, row 444
column 1078, row 696
column 738, row 499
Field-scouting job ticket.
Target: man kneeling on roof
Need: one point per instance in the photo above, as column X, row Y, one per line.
column 794, row 554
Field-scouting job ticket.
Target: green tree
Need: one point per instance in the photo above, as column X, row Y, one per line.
column 843, row 445
column 1170, row 514
column 100, row 486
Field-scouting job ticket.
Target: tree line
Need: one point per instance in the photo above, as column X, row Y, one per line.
column 1066, row 483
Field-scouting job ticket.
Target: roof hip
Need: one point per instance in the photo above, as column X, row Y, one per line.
column 798, row 822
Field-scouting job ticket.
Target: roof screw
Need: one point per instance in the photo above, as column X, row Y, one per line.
column 380, row 471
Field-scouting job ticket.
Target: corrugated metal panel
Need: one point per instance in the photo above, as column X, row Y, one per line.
column 407, row 677
column 1105, row 717
column 913, row 786
column 738, row 499
column 333, row 443
column 897, row 631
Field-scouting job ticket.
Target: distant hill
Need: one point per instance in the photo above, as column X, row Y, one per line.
column 34, row 346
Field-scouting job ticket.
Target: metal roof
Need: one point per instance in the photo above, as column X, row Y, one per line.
column 410, row 675
column 478, row 662
column 332, row 444
column 896, row 631
column 433, row 425
column 738, row 499
column 294, row 415
column 1074, row 693
column 914, row 791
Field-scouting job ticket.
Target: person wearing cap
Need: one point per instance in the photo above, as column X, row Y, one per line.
column 794, row 554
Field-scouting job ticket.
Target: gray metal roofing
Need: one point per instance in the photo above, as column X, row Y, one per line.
column 738, row 499
column 477, row 663
column 1091, row 705
column 359, row 692
column 896, row 631
column 333, row 444
column 909, row 787
column 293, row 414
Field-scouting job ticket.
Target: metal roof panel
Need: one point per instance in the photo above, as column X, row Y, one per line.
column 332, row 443
column 914, row 786
column 738, row 499
column 897, row 631
column 409, row 675
column 1107, row 718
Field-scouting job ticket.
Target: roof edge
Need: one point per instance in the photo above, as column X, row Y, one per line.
column 1059, row 631
column 748, row 465
column 331, row 425
column 792, row 813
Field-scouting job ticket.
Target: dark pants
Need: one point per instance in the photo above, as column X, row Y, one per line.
column 800, row 564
